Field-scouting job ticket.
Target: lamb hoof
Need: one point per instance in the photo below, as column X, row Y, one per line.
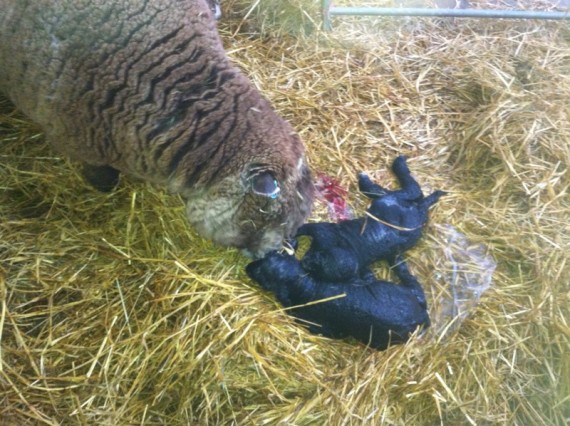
column 400, row 165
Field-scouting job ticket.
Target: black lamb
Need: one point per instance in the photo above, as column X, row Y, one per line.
column 374, row 312
column 392, row 225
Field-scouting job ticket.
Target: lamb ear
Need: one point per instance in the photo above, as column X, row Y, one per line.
column 369, row 188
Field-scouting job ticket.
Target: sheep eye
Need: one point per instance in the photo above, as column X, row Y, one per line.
column 265, row 184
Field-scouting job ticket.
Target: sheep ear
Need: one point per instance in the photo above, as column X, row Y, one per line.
column 175, row 185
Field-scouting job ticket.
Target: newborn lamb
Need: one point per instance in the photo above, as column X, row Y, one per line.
column 377, row 313
column 393, row 224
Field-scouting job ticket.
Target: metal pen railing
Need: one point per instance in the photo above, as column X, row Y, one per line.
column 329, row 11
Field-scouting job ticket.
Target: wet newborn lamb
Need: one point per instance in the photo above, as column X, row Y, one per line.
column 393, row 224
column 374, row 312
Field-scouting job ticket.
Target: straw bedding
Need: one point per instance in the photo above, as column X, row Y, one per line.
column 113, row 311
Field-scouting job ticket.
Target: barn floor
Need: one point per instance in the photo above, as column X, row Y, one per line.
column 113, row 311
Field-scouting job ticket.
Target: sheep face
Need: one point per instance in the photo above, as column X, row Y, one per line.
column 254, row 210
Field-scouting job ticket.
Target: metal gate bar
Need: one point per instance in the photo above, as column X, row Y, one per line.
column 329, row 11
